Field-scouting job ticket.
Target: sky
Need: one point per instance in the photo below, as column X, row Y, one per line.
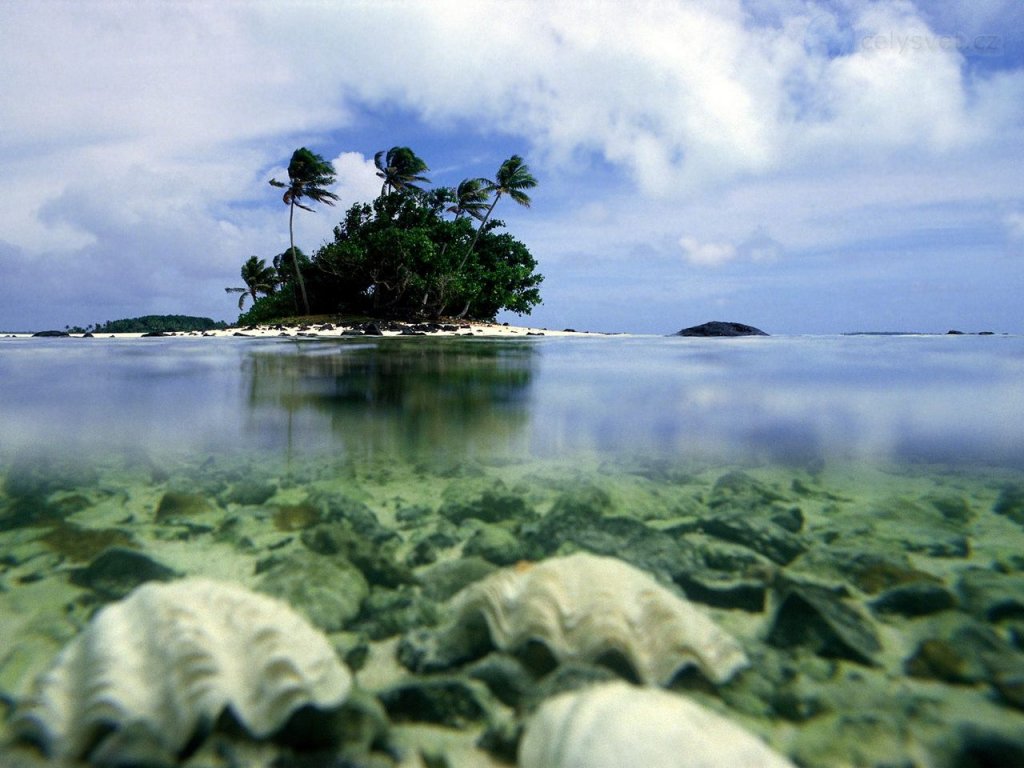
column 803, row 167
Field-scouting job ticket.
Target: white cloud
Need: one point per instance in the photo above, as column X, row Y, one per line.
column 706, row 254
column 357, row 180
column 1015, row 225
column 142, row 131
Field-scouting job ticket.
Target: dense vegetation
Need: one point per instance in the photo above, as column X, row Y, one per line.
column 154, row 324
column 410, row 253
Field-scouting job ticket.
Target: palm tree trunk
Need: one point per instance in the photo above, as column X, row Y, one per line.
column 295, row 261
column 480, row 229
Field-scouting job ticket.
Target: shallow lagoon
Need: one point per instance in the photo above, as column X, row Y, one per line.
column 850, row 508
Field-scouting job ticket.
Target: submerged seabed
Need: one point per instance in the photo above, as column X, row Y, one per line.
column 880, row 599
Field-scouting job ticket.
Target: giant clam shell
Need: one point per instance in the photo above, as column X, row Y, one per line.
column 584, row 606
column 615, row 724
column 152, row 671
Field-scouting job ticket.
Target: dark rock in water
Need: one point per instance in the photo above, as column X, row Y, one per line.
column 250, row 494
column 482, row 499
column 118, row 571
column 991, row 595
column 938, row 659
column 738, row 594
column 176, row 505
column 654, row 551
column 36, row 475
column 446, row 578
column 719, row 328
column 296, row 517
column 874, row 573
column 920, row 526
column 970, row 654
column 339, row 507
column 749, row 512
column 80, row 544
column 815, row 617
column 1010, row 503
column 378, row 561
column 505, row 677
column 50, row 334
column 162, row 334
column 389, row 612
column 328, row 591
column 765, row 538
column 917, row 599
column 953, row 507
column 981, row 748
column 495, row 544
column 447, row 701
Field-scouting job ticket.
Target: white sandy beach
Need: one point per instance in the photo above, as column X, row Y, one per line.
column 338, row 330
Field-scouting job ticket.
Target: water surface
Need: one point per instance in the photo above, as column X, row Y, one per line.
column 747, row 473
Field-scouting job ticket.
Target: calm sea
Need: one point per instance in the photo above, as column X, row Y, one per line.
column 902, row 456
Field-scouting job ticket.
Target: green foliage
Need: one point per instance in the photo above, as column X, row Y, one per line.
column 159, row 323
column 402, row 255
column 399, row 257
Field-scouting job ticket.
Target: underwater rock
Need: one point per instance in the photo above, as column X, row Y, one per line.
column 764, row 537
column 564, row 529
column 150, row 675
column 815, row 617
column 328, row 591
column 389, row 612
column 870, row 571
column 916, row 599
column 37, row 474
column 175, row 505
column 340, row 507
column 251, row 493
column 377, row 560
column 446, row 578
column 580, row 607
column 615, row 725
column 483, row 499
column 991, row 595
column 80, row 544
column 495, row 544
column 117, row 571
column 953, row 507
column 748, row 512
column 448, row 701
column 1010, row 503
column 947, row 660
column 295, row 517
column 505, row 676
column 738, row 490
column 919, row 528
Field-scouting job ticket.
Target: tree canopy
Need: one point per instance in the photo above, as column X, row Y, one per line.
column 412, row 252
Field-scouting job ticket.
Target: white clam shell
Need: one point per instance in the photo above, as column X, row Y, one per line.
column 615, row 725
column 167, row 660
column 583, row 606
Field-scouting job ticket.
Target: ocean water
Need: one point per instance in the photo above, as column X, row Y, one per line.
column 850, row 508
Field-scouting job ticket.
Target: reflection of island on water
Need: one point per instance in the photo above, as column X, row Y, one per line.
column 448, row 397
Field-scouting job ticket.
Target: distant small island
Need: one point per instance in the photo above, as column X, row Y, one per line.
column 149, row 324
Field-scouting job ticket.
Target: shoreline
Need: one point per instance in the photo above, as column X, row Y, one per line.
column 329, row 330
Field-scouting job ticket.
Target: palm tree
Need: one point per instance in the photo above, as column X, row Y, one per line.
column 471, row 198
column 258, row 278
column 308, row 176
column 512, row 178
column 401, row 169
